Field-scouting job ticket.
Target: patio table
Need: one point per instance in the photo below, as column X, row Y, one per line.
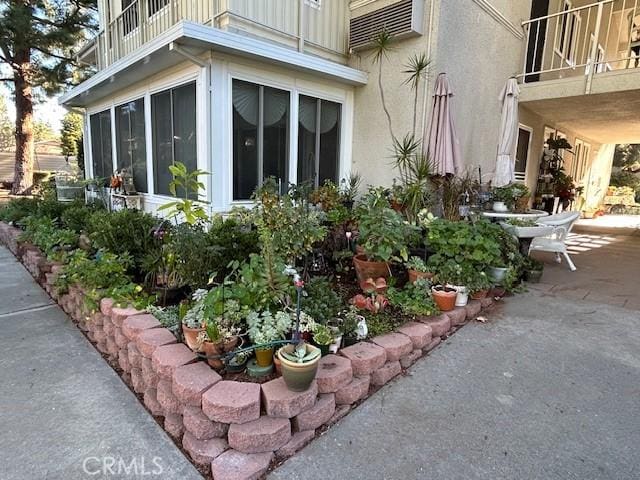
column 524, row 234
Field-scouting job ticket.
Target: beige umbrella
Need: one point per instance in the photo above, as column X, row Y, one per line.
column 508, row 139
column 443, row 146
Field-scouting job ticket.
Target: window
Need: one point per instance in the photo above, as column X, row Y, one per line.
column 130, row 142
column 173, row 120
column 318, row 140
column 101, row 153
column 522, row 152
column 567, row 32
column 260, row 137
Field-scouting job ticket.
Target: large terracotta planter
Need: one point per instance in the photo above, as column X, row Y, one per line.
column 415, row 275
column 367, row 269
column 445, row 299
column 191, row 337
column 264, row 356
column 298, row 376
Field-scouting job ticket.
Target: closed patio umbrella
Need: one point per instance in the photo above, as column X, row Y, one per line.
column 443, row 146
column 508, row 139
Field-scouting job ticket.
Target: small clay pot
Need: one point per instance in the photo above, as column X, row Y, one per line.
column 264, row 356
column 211, row 349
column 479, row 295
column 368, row 269
column 415, row 275
column 444, row 297
column 191, row 337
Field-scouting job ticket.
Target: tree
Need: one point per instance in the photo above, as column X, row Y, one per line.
column 626, row 154
column 71, row 134
column 6, row 127
column 37, row 38
column 42, row 131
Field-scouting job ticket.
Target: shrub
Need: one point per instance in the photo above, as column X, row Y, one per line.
column 44, row 233
column 76, row 217
column 321, row 302
column 18, row 209
column 413, row 299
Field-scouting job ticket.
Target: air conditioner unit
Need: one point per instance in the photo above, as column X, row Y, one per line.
column 401, row 19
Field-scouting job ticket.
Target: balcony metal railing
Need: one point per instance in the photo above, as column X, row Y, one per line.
column 297, row 21
column 582, row 41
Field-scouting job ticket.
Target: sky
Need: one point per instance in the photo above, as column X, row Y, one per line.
column 48, row 111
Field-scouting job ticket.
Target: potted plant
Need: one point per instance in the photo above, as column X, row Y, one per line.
column 349, row 327
column 444, row 296
column 193, row 321
column 414, row 299
column 457, row 276
column 217, row 340
column 237, row 363
column 512, row 195
column 299, row 365
column 418, row 269
column 533, row 270
column 264, row 329
column 479, row 286
column 323, row 338
column 349, row 189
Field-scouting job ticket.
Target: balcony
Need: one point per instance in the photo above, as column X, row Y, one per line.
column 308, row 26
column 580, row 45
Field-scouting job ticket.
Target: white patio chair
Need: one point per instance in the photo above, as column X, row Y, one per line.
column 554, row 243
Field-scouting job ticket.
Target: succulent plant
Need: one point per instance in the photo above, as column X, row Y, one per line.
column 299, row 353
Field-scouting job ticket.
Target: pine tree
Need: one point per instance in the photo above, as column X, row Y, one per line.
column 37, row 38
column 6, row 127
column 70, row 134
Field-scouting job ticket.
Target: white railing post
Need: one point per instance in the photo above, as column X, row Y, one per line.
column 527, row 44
column 301, row 33
column 593, row 54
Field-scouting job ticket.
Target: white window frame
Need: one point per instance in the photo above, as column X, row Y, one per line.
column 560, row 41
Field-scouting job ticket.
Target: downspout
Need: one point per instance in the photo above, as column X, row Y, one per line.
column 428, row 83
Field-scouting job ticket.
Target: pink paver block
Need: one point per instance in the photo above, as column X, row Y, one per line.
column 297, row 442
column 191, row 381
column 203, row 451
column 132, row 326
column 486, row 302
column 410, row 358
column 120, row 339
column 119, row 314
column 134, row 355
column 357, row 389
column 108, row 327
column 341, row 412
column 365, row 357
column 473, row 309
column 167, row 358
column 106, row 305
column 334, row 372
column 434, row 343
column 386, row 373
column 173, row 425
column 395, row 344
column 419, row 333
column 440, row 324
column 167, row 399
column 137, row 381
column 123, row 360
column 281, row 402
column 232, row 402
column 149, row 375
column 151, row 339
column 457, row 316
column 266, row 434
column 112, row 347
column 317, row 415
column 234, row 465
column 151, row 402
column 200, row 426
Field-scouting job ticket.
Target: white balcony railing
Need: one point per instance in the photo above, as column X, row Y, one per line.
column 582, row 41
column 295, row 22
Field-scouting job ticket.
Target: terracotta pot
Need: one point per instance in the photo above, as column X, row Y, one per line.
column 211, row 349
column 299, row 376
column 446, row 300
column 415, row 275
column 191, row 337
column 366, row 269
column 479, row 295
column 264, row 356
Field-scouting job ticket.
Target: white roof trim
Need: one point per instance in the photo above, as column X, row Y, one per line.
column 225, row 41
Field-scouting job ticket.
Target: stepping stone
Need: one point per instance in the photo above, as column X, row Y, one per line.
column 149, row 340
column 386, row 373
column 334, row 372
column 266, row 434
column 281, row 402
column 203, row 452
column 365, row 357
column 200, row 426
column 395, row 344
column 167, row 358
column 297, row 442
column 234, row 465
column 191, row 381
column 440, row 324
column 357, row 389
column 132, row 326
column 419, row 333
column 317, row 415
column 232, row 402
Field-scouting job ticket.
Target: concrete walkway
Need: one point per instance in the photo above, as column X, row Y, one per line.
column 64, row 413
column 548, row 389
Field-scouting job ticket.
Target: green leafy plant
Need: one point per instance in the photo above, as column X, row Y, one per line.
column 18, row 209
column 521, row 222
column 417, row 264
column 266, row 327
column 349, row 188
column 44, row 233
column 413, row 299
column 511, row 193
column 322, row 335
column 478, row 282
column 186, row 183
column 299, row 353
column 321, row 302
column 169, row 317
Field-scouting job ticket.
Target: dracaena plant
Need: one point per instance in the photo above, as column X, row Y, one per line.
column 186, row 184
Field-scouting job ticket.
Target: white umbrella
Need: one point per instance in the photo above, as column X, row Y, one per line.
column 508, row 139
column 443, row 146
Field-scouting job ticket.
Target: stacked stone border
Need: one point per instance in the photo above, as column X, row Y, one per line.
column 237, row 429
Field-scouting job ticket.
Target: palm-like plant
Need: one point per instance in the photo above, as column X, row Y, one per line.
column 382, row 45
column 417, row 69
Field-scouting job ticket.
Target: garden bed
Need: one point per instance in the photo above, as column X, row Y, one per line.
column 235, row 427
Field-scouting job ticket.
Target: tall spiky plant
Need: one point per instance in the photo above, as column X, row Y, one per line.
column 417, row 69
column 382, row 45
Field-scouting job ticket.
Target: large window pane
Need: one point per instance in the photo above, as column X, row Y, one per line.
column 318, row 140
column 260, row 137
column 173, row 120
column 101, row 156
column 130, row 141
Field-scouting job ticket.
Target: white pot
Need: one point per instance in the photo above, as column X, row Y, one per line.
column 497, row 274
column 462, row 296
column 500, row 207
